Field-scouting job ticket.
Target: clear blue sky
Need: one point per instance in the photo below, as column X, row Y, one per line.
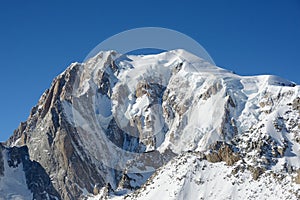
column 39, row 39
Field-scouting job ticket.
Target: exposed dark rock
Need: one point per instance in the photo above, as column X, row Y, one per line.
column 76, row 164
column 97, row 189
column 220, row 151
column 238, row 168
column 142, row 88
column 152, row 159
column 71, row 170
column 177, row 68
column 125, row 182
column 281, row 151
column 151, row 89
column 121, row 138
column 228, row 127
column 154, row 92
column 296, row 104
column 256, row 172
column 104, row 85
column 212, row 90
column 297, row 180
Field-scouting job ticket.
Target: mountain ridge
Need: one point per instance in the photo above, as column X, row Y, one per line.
column 150, row 109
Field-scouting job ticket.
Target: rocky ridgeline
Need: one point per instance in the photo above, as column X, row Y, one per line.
column 54, row 143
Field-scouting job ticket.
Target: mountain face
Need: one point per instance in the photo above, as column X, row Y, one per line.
column 168, row 125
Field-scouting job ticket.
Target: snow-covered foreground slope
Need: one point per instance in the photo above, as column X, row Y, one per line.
column 106, row 125
column 188, row 177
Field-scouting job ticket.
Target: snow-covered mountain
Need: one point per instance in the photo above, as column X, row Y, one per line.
column 169, row 125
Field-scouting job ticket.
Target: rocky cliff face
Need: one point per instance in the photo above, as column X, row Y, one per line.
column 54, row 143
column 108, row 124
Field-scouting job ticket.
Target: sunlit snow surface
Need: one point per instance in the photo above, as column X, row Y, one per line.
column 188, row 178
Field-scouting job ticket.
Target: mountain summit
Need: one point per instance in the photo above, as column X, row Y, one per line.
column 169, row 125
